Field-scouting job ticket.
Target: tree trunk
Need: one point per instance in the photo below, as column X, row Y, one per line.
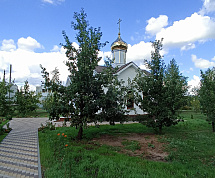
column 160, row 129
column 213, row 126
column 112, row 122
column 80, row 133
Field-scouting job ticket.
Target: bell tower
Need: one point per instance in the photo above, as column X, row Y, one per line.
column 119, row 49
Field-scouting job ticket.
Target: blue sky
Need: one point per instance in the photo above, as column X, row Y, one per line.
column 31, row 31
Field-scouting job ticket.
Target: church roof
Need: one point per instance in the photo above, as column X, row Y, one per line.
column 119, row 43
column 100, row 69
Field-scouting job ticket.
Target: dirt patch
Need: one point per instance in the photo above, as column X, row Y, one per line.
column 144, row 145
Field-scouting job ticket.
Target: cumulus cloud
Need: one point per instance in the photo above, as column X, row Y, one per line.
column 156, row 24
column 55, row 48
column 194, row 83
column 28, row 44
column 8, row 45
column 208, row 6
column 139, row 51
column 202, row 63
column 185, row 32
column 25, row 62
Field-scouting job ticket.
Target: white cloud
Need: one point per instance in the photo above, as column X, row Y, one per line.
column 156, row 24
column 104, row 55
column 139, row 51
column 184, row 32
column 28, row 44
column 208, row 6
column 53, row 1
column 202, row 63
column 191, row 69
column 188, row 47
column 194, row 83
column 55, row 48
column 25, row 62
column 8, row 45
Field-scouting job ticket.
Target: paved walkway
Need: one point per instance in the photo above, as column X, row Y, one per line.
column 19, row 151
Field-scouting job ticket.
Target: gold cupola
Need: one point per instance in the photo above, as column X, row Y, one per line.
column 119, row 49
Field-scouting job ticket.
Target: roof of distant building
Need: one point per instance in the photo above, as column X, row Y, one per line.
column 100, row 69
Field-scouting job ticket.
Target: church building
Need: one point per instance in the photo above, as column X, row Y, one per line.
column 125, row 70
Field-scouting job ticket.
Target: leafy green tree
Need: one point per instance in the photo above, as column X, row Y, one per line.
column 90, row 95
column 161, row 92
column 176, row 85
column 5, row 101
column 86, row 88
column 113, row 102
column 57, row 101
column 26, row 100
column 207, row 95
column 195, row 103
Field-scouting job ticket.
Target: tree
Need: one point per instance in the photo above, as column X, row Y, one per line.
column 5, row 101
column 113, row 102
column 176, row 85
column 86, row 88
column 26, row 100
column 160, row 93
column 207, row 95
column 57, row 102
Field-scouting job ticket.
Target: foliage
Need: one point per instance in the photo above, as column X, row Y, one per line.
column 185, row 143
column 57, row 102
column 26, row 100
column 160, row 93
column 114, row 99
column 6, row 109
column 47, row 126
column 85, row 88
column 89, row 92
column 207, row 95
column 3, row 131
column 195, row 103
column 176, row 85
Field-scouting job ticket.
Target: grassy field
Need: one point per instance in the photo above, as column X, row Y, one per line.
column 190, row 146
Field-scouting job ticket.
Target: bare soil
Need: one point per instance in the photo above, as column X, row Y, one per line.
column 150, row 147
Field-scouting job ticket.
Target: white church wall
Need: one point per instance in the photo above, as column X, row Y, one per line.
column 130, row 72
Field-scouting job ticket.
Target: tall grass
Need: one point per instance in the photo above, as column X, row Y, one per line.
column 190, row 145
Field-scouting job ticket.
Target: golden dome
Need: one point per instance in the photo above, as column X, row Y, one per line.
column 119, row 44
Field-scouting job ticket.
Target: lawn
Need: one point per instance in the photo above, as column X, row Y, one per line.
column 37, row 113
column 109, row 151
column 3, row 122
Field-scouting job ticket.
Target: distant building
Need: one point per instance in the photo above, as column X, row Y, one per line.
column 44, row 93
column 11, row 94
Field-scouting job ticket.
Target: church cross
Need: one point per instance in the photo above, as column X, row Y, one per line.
column 119, row 24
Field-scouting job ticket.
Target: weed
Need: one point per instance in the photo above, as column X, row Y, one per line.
column 131, row 145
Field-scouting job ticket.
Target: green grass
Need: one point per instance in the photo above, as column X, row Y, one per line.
column 38, row 113
column 190, row 145
column 131, row 145
column 2, row 136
